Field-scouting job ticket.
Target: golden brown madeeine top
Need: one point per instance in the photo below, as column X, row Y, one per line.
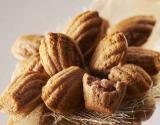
column 110, row 52
column 26, row 46
column 149, row 60
column 137, row 80
column 24, row 93
column 87, row 29
column 137, row 29
column 57, row 52
column 63, row 92
column 30, row 64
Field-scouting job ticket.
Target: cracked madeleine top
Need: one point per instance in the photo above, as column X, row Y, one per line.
column 87, row 29
column 102, row 95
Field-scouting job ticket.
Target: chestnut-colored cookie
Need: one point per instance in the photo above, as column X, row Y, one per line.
column 149, row 60
column 137, row 29
column 24, row 93
column 102, row 95
column 87, row 29
column 26, row 46
column 57, row 52
column 63, row 92
column 30, row 64
column 110, row 52
column 137, row 80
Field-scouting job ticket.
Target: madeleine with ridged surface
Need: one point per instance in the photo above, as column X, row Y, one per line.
column 57, row 52
column 149, row 60
column 110, row 52
column 137, row 29
column 26, row 46
column 87, row 29
column 30, row 64
column 63, row 92
column 138, row 81
column 24, row 93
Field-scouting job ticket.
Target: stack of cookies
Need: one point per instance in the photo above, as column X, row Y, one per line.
column 91, row 66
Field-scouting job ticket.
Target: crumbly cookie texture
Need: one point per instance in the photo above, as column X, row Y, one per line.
column 87, row 29
column 63, row 92
column 26, row 46
column 57, row 52
column 110, row 52
column 27, row 65
column 149, row 60
column 137, row 80
column 137, row 29
column 24, row 93
column 102, row 95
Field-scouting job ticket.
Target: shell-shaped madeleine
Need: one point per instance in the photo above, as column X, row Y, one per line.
column 87, row 29
column 149, row 60
column 26, row 46
column 102, row 95
column 137, row 80
column 137, row 29
column 24, row 93
column 57, row 52
column 110, row 52
column 30, row 64
column 63, row 92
